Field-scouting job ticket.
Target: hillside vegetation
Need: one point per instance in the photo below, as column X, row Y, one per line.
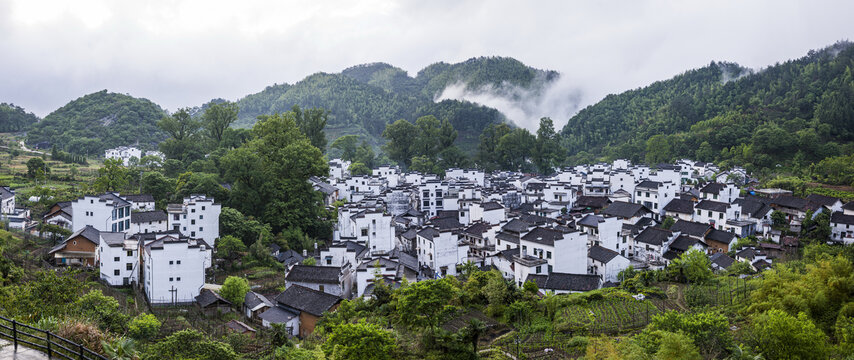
column 14, row 118
column 99, row 121
column 793, row 114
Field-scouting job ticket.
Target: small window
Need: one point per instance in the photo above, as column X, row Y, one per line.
column 130, row 252
column 171, row 279
column 320, row 287
column 193, row 222
column 116, row 259
column 178, row 262
column 201, row 217
column 192, row 210
column 171, row 262
column 116, row 272
column 129, row 266
column 192, row 234
column 178, row 279
column 203, row 208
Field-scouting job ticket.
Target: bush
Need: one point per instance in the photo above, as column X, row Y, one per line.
column 234, row 289
column 144, row 327
column 779, row 335
column 83, row 333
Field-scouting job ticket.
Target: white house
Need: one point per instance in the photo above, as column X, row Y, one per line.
column 140, row 202
column 173, row 268
column 726, row 193
column 107, row 212
column 197, row 217
column 124, row 153
column 149, row 221
column 716, row 213
column 375, row 229
column 440, row 250
column 842, row 228
column 475, row 176
column 119, row 259
column 7, row 200
column 655, row 195
column 606, row 263
column 544, row 250
column 431, row 196
column 333, row 280
column 489, row 212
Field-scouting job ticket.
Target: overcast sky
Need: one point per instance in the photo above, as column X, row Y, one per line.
column 184, row 53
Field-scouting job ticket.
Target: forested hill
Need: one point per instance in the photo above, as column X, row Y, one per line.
column 794, row 113
column 364, row 98
column 99, row 121
column 15, row 118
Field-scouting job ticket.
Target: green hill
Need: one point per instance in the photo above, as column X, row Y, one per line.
column 15, row 118
column 362, row 99
column 794, row 113
column 99, row 121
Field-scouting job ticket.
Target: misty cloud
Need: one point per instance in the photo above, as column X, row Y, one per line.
column 558, row 100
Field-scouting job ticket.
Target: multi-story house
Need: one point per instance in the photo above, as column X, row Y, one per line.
column 197, row 217
column 173, row 267
column 655, row 195
column 119, row 258
column 107, row 212
column 149, row 221
column 374, row 229
column 716, row 213
column 842, row 228
column 431, row 197
column 7, row 200
column 545, row 250
column 726, row 193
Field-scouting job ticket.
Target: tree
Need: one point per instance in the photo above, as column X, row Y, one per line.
column 158, row 186
column 217, row 118
column 778, row 335
column 658, row 149
column 399, row 146
column 472, row 332
column 693, row 265
column 357, row 169
column 113, row 176
column 182, row 129
column 143, row 327
column 425, row 303
column 234, row 289
column 359, row 341
column 37, row 168
column 121, row 349
column 365, row 155
column 347, row 145
column 668, row 222
column 190, row 344
column 676, row 346
column 230, row 248
column 269, row 176
column 487, row 150
column 311, row 123
column 249, row 230
column 778, row 218
column 515, row 150
column 547, row 153
column 424, row 165
column 708, row 331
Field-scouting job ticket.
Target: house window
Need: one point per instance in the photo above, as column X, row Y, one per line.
column 201, row 229
column 178, row 262
column 176, row 217
column 171, row 262
column 116, row 259
column 320, row 287
column 201, row 217
column 193, row 222
column 129, row 266
column 192, row 233
column 720, row 216
column 171, row 279
column 539, row 268
column 130, row 252
column 178, row 278
column 192, row 210
column 116, row 272
column 548, row 254
column 698, row 212
column 365, row 232
column 203, row 208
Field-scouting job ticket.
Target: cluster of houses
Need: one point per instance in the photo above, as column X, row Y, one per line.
column 126, row 153
column 11, row 215
column 572, row 231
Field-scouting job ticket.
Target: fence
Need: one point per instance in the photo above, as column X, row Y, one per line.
column 55, row 346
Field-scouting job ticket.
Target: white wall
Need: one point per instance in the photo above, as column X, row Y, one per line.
column 92, row 211
column 109, row 265
column 161, row 276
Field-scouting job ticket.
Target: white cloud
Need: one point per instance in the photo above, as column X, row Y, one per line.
column 183, row 53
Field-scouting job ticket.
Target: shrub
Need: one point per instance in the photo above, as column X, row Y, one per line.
column 83, row 333
column 144, row 327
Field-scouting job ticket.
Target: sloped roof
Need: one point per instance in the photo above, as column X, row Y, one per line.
column 277, row 315
column 428, row 233
column 477, row 229
column 653, row 236
column 712, row 205
column 6, row 192
column 692, row 228
column 753, row 208
column 680, row 206
column 543, row 236
column 593, row 202
column 722, row 259
column 790, row 202
column 308, row 300
column 713, row 188
column 569, row 282
column 516, row 225
column 314, row 274
column 721, row 236
column 625, row 209
column 648, row 184
column 840, row 218
column 148, row 216
column 491, row 205
column 409, row 234
column 253, row 299
column 207, row 298
column 447, row 223
column 822, row 200
column 508, row 237
column 601, row 254
column 591, row 220
column 139, row 198
column 683, row 243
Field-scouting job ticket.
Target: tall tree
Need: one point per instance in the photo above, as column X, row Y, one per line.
column 515, row 150
column 400, row 136
column 113, row 176
column 312, row 122
column 347, row 144
column 217, row 118
column 487, row 150
column 183, row 131
column 548, row 153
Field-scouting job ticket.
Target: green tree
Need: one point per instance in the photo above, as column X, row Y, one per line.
column 425, row 303
column 311, row 123
column 658, row 149
column 113, row 176
column 102, row 309
column 230, row 248
column 668, row 222
column 708, row 331
column 676, row 346
column 487, row 150
column 424, row 165
column 190, row 344
column 778, row 335
column 347, row 144
column 547, row 152
column 143, row 327
column 121, row 349
column 365, row 155
column 399, row 146
column 515, row 150
column 359, row 341
column 778, row 218
column 158, row 186
column 357, row 169
column 693, row 266
column 37, row 168
column 249, row 230
column 234, row 289
column 217, row 118
column 182, row 129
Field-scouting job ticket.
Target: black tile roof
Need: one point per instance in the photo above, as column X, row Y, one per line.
column 601, row 254
column 277, row 315
column 570, row 282
column 308, row 300
column 139, row 198
column 722, row 259
column 625, row 209
column 593, row 202
column 508, row 237
column 822, row 200
column 840, row 218
column 653, row 236
column 680, row 206
column 848, row 206
column 447, row 223
column 208, row 297
column 314, row 274
column 477, row 229
column 253, row 299
column 148, row 216
column 713, row 188
column 590, row 220
column 753, row 208
column 712, row 205
column 543, row 236
column 721, row 236
column 516, row 225
column 648, row 184
column 683, row 243
column 491, row 205
column 790, row 202
column 428, row 233
column 691, row 228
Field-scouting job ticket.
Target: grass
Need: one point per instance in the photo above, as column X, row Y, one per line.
column 13, row 169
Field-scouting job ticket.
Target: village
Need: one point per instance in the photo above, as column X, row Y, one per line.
column 574, row 231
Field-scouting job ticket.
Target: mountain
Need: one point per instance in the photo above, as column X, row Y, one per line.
column 362, row 99
column 15, row 118
column 99, row 121
column 793, row 113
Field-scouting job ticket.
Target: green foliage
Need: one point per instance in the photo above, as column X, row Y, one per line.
column 310, row 261
column 693, row 266
column 778, row 219
column 426, row 303
column 295, row 353
column 234, row 289
column 311, row 123
column 233, row 223
column 190, row 345
column 269, row 176
column 121, row 349
column 359, row 341
column 424, row 145
column 143, row 327
column 113, row 176
column 779, row 335
column 230, row 248
column 37, row 168
column 548, row 153
column 708, row 331
column 184, row 143
column 102, row 309
column 14, row 118
column 217, row 118
column 99, row 121
column 668, row 222
column 676, row 346
column 358, row 169
column 158, row 186
column 347, row 145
